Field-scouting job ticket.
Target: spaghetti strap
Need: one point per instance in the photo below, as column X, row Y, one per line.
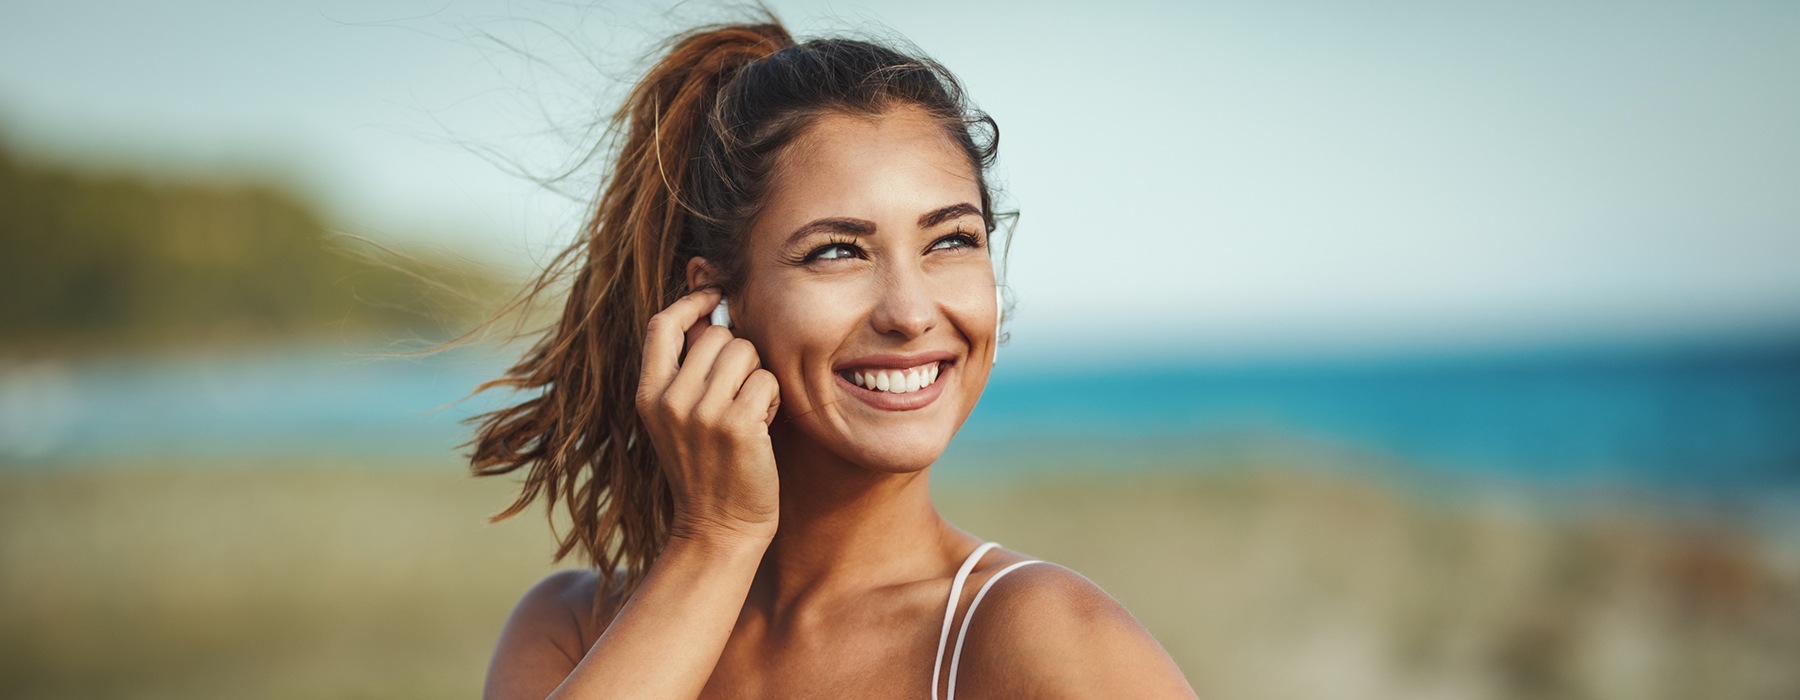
column 956, row 656
column 956, row 588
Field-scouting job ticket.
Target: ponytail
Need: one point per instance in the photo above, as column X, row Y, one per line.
column 579, row 439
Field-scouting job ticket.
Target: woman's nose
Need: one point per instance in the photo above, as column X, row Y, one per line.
column 905, row 307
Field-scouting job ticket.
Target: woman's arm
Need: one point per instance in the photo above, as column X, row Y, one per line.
column 663, row 643
column 668, row 637
column 707, row 416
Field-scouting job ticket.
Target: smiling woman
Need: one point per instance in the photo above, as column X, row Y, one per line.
column 753, row 499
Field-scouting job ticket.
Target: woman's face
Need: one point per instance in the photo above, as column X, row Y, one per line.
column 869, row 291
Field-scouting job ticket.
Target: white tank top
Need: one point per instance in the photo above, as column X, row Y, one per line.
column 956, row 588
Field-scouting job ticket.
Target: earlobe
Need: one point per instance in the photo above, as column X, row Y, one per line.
column 700, row 275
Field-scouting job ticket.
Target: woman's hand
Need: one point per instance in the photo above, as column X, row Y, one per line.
column 708, row 415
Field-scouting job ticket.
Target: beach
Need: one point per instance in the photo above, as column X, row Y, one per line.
column 1445, row 353
column 311, row 579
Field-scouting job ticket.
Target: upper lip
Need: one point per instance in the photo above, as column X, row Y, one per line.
column 895, row 361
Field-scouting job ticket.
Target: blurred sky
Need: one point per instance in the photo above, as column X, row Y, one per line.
column 1194, row 177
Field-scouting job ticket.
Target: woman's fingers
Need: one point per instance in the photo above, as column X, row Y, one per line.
column 691, row 378
column 734, row 363
column 666, row 335
column 700, row 326
column 760, row 396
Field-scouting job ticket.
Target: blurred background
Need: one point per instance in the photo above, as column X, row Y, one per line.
column 1395, row 350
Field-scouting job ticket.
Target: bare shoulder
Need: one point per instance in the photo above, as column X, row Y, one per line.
column 1046, row 631
column 549, row 631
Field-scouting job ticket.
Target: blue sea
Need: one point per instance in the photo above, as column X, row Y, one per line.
column 1721, row 418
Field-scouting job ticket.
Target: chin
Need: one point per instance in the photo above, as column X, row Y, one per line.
column 893, row 451
column 899, row 459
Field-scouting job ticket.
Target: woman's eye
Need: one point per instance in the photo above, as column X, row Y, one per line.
column 955, row 240
column 835, row 251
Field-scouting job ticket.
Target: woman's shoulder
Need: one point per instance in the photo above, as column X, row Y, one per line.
column 1042, row 597
column 570, row 597
column 1045, row 630
column 558, row 618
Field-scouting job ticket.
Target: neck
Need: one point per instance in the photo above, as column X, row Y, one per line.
column 845, row 529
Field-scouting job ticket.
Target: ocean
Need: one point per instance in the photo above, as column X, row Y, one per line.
column 1720, row 419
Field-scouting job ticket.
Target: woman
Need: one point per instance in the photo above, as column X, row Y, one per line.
column 754, row 496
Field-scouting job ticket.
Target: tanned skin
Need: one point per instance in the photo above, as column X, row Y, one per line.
column 807, row 559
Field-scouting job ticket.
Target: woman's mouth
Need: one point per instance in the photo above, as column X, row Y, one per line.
column 894, row 381
column 897, row 382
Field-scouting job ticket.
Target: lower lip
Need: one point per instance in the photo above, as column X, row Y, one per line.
column 888, row 401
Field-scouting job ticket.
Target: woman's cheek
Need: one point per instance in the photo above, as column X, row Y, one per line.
column 972, row 304
column 800, row 335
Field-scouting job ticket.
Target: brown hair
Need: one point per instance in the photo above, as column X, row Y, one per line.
column 694, row 147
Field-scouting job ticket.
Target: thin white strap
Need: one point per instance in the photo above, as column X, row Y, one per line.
column 956, row 657
column 956, row 587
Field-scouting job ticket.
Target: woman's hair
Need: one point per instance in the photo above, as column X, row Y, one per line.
column 694, row 148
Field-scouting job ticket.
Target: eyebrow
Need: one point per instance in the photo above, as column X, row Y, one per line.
column 864, row 227
column 947, row 213
column 846, row 225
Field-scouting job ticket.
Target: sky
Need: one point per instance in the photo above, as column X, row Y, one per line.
column 1193, row 177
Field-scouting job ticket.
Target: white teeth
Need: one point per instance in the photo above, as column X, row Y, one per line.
column 896, row 381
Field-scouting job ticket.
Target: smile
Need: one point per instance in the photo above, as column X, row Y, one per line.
column 895, row 381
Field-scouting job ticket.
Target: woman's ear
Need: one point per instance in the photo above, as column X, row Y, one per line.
column 701, row 274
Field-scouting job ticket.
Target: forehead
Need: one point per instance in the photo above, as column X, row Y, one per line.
column 885, row 168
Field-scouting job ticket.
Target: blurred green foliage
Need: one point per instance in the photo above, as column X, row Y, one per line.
column 101, row 261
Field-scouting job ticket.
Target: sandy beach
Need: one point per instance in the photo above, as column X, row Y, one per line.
column 311, row 581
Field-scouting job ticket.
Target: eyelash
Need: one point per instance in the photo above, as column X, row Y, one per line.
column 967, row 240
column 834, row 241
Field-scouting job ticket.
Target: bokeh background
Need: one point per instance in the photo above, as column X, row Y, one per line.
column 1374, row 350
